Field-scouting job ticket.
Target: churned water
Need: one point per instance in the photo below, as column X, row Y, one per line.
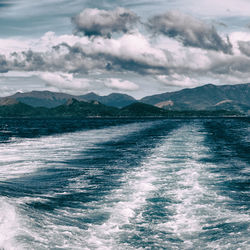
column 124, row 184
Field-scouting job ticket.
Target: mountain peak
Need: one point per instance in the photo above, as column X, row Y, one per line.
column 208, row 85
column 90, row 96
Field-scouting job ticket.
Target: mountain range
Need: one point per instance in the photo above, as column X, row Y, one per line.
column 53, row 99
column 230, row 98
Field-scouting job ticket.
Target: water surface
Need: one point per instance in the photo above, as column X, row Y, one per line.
column 124, row 184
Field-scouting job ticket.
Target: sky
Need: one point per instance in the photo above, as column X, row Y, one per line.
column 135, row 47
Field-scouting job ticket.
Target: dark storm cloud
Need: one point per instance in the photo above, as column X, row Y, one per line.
column 95, row 22
column 190, row 31
column 244, row 47
column 46, row 61
column 3, row 64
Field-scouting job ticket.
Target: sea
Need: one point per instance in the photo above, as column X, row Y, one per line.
column 125, row 183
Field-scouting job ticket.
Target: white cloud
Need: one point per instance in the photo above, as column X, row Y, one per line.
column 59, row 59
column 115, row 83
column 64, row 81
column 6, row 91
column 9, row 45
column 50, row 39
column 131, row 52
column 21, row 74
column 42, row 44
column 94, row 22
column 178, row 80
column 130, row 47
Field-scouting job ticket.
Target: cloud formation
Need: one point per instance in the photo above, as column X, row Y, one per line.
column 134, row 55
column 128, row 53
column 177, row 80
column 64, row 81
column 95, row 22
column 188, row 30
column 115, row 83
column 244, row 47
column 3, row 64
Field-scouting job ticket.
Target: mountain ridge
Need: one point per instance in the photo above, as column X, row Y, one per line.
column 117, row 100
column 206, row 97
column 50, row 99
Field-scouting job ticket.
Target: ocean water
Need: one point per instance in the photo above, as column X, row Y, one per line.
column 124, row 184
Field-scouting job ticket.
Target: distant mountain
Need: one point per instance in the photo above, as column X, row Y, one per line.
column 207, row 97
column 115, row 99
column 42, row 98
column 50, row 99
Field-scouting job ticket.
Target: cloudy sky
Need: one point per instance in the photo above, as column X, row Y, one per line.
column 138, row 47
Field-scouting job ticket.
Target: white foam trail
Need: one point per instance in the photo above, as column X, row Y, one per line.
column 9, row 225
column 124, row 205
column 190, row 185
column 27, row 156
column 174, row 171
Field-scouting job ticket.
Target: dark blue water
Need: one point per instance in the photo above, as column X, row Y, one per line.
column 124, row 184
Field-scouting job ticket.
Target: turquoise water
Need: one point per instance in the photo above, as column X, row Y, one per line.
column 124, row 184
